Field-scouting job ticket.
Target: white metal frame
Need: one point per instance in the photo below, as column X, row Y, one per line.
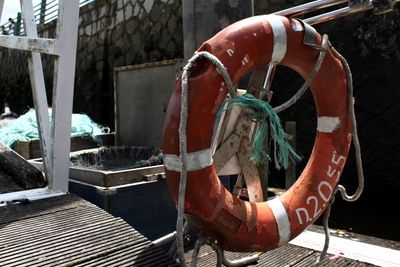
column 55, row 133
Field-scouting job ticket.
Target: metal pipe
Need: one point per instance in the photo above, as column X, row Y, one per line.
column 251, row 259
column 343, row 12
column 17, row 26
column 309, row 7
column 268, row 82
column 163, row 240
column 42, row 13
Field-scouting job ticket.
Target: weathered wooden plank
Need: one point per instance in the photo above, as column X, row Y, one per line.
column 331, row 262
column 284, row 256
column 68, row 231
column 290, row 173
column 22, row 171
column 49, row 224
column 12, row 213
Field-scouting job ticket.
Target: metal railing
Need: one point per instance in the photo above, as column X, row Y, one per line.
column 353, row 7
column 45, row 12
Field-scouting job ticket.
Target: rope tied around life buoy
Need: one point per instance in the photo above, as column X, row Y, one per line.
column 183, row 138
column 246, row 102
column 256, row 108
column 357, row 152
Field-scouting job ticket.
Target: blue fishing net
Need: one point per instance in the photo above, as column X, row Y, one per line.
column 25, row 128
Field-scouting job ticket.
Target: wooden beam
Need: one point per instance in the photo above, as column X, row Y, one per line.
column 290, row 173
column 22, row 171
column 255, row 87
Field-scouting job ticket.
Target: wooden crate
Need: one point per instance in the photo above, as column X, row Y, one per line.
column 109, row 178
column 31, row 149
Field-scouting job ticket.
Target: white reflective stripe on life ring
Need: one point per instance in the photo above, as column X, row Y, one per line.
column 280, row 38
column 282, row 220
column 195, row 161
column 328, row 124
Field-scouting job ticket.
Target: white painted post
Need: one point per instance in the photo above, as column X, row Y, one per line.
column 1, row 8
column 55, row 135
column 67, row 31
column 38, row 89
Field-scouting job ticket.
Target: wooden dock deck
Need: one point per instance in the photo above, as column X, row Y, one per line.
column 69, row 231
column 289, row 255
column 346, row 249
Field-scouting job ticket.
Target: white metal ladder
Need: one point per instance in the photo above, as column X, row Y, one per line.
column 55, row 133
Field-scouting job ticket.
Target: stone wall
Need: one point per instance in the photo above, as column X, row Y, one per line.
column 112, row 33
column 14, row 80
column 120, row 33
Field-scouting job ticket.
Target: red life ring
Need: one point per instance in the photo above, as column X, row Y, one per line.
column 243, row 47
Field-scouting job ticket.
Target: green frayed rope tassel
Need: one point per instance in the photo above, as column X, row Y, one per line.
column 263, row 112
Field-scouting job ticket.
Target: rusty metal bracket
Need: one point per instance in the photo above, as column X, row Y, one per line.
column 250, row 172
column 238, row 144
column 310, row 35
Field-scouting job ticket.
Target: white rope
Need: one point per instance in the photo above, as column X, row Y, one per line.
column 307, row 83
column 183, row 138
column 356, row 142
column 327, row 214
column 357, row 148
column 196, row 251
